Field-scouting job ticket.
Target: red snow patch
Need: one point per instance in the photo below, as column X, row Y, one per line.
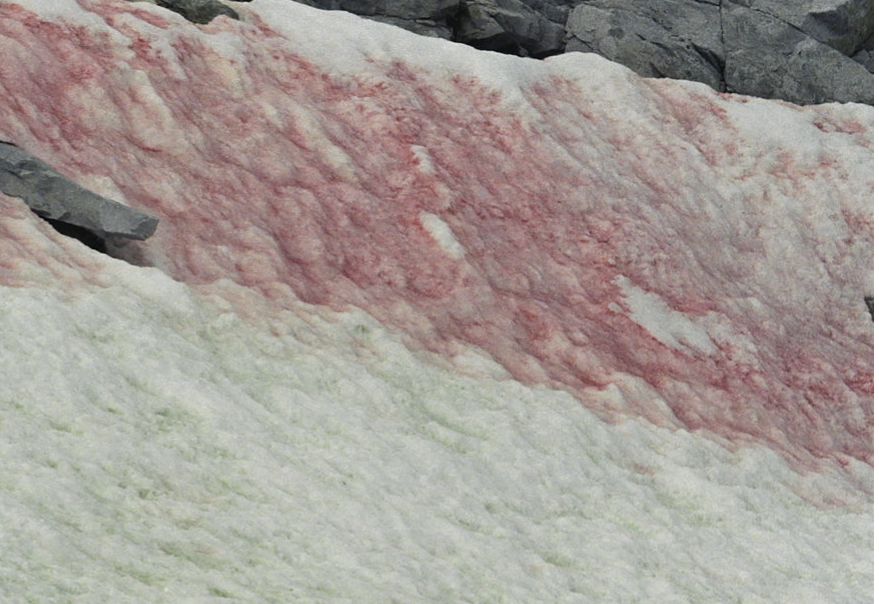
column 269, row 171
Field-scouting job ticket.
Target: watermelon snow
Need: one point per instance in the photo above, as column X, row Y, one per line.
column 424, row 323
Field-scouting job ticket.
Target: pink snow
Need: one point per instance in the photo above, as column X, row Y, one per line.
column 305, row 184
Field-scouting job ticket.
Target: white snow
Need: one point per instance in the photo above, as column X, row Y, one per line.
column 425, row 163
column 442, row 234
column 156, row 448
column 672, row 328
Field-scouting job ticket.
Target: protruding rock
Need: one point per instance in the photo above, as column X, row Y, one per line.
column 56, row 198
column 509, row 26
column 197, row 11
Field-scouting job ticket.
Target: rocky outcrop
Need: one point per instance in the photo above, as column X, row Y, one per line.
column 840, row 24
column 769, row 57
column 799, row 52
column 65, row 204
column 662, row 38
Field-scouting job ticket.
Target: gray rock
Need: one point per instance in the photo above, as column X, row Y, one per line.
column 426, row 17
column 841, row 24
column 424, row 27
column 865, row 58
column 197, row 11
column 767, row 57
column 409, row 10
column 555, row 10
column 509, row 26
column 663, row 38
column 56, row 198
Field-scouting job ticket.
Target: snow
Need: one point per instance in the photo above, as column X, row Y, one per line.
column 672, row 328
column 442, row 234
column 157, row 446
column 423, row 323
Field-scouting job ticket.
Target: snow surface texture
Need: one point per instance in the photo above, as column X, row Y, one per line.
column 423, row 323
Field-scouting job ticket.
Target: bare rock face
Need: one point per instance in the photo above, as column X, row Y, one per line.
column 840, row 24
column 864, row 56
column 663, row 38
column 768, row 57
column 62, row 202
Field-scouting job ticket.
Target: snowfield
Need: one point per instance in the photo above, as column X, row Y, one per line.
column 422, row 323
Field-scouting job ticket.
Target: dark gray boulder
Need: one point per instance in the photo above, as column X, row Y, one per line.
column 59, row 200
column 510, row 26
column 197, row 11
column 663, row 38
column 768, row 57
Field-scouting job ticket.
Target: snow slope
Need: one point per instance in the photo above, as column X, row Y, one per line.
column 423, row 323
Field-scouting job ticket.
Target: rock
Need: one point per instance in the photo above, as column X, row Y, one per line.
column 865, row 58
column 767, row 57
column 56, row 198
column 424, row 27
column 509, row 26
column 555, row 10
column 427, row 17
column 841, row 24
column 663, row 38
column 197, row 11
